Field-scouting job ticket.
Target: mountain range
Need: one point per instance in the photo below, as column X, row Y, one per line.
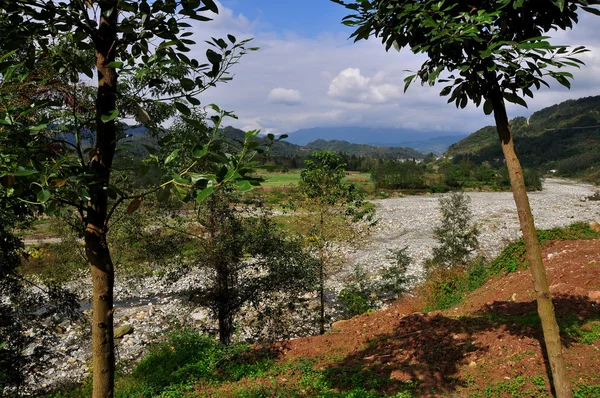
column 423, row 142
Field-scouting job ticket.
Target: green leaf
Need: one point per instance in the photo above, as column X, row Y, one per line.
column 199, row 151
column 515, row 99
column 115, row 64
column 84, row 193
column 142, row 114
column 407, row 81
column 24, row 172
column 172, row 156
column 183, row 108
column 179, row 179
column 43, row 196
column 591, row 10
column 110, row 116
column 243, row 185
column 180, row 192
column 203, row 194
column 488, row 108
column 210, row 4
column 164, row 194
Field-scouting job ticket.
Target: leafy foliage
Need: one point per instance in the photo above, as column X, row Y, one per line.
column 332, row 209
column 365, row 291
column 248, row 262
column 490, row 44
column 455, row 233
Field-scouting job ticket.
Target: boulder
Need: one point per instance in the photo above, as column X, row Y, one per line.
column 122, row 331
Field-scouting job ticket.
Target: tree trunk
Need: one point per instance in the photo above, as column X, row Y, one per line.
column 550, row 329
column 322, row 297
column 97, row 251
column 103, row 354
column 224, row 313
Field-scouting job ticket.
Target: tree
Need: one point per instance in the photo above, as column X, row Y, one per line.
column 499, row 52
column 140, row 63
column 247, row 261
column 331, row 208
column 456, row 235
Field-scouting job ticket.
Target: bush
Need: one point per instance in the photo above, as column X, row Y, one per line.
column 365, row 292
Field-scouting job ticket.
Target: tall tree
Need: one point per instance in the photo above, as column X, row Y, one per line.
column 332, row 207
column 139, row 61
column 498, row 51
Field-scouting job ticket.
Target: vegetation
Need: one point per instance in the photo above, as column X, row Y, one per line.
column 331, row 208
column 448, row 288
column 456, row 235
column 561, row 138
column 248, row 262
column 367, row 290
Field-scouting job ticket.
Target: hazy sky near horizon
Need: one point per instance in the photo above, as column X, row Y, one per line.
column 308, row 74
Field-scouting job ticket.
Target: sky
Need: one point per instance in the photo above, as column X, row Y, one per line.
column 307, row 73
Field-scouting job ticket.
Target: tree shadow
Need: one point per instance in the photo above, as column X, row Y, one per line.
column 427, row 352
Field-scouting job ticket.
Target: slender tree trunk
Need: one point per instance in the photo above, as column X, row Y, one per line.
column 223, row 296
column 103, row 354
column 97, row 251
column 550, row 329
column 322, row 297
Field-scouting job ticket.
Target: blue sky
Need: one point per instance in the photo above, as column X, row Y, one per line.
column 308, row 18
column 308, row 74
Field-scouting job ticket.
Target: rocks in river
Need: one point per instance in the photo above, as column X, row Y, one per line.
column 123, row 330
column 199, row 315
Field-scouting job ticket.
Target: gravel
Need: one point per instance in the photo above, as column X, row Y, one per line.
column 409, row 221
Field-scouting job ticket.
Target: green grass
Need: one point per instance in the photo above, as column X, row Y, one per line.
column 518, row 387
column 189, row 365
column 280, row 179
column 292, row 178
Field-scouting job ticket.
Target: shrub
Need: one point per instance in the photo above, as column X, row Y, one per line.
column 365, row 292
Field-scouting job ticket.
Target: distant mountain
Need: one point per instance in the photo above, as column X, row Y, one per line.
column 563, row 137
column 424, row 142
column 387, row 152
column 287, row 149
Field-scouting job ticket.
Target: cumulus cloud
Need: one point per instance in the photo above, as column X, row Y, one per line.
column 285, row 96
column 350, row 86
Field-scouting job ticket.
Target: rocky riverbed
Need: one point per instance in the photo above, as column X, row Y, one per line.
column 147, row 308
column 409, row 221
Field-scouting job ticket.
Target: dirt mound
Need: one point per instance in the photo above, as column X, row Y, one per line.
column 489, row 346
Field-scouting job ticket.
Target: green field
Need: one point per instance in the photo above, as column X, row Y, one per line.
column 293, row 177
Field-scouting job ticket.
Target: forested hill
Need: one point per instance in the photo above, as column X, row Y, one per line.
column 287, row 149
column 365, row 150
column 563, row 137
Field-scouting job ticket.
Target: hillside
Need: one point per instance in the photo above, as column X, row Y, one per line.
column 490, row 346
column 388, row 152
column 287, row 149
column 564, row 137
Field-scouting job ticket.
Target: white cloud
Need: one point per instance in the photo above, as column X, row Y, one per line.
column 350, row 86
column 285, row 96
